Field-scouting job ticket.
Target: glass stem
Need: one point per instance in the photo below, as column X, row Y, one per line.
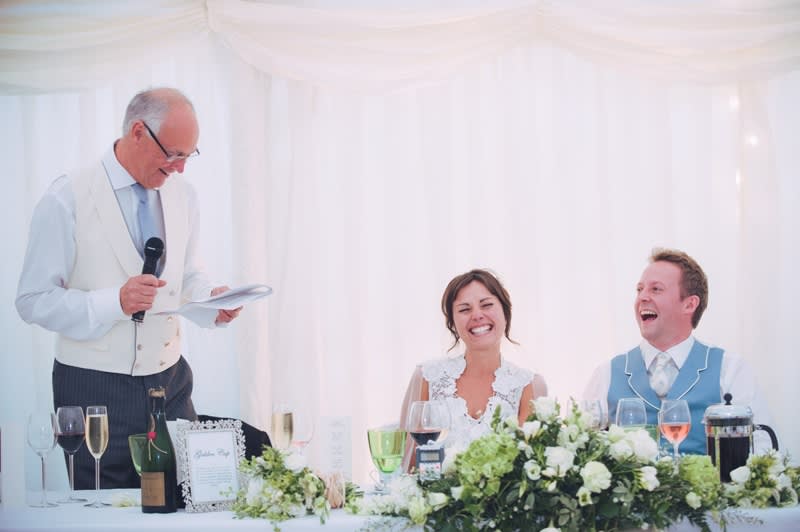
column 97, row 480
column 44, row 493
column 675, row 451
column 71, row 477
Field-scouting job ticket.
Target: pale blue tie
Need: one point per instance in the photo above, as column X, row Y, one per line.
column 662, row 374
column 147, row 226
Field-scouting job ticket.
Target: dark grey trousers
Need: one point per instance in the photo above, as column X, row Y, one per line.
column 125, row 398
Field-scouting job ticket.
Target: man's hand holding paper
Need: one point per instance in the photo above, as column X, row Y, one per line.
column 224, row 304
column 224, row 315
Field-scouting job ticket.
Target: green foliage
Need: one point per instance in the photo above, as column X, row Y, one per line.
column 278, row 487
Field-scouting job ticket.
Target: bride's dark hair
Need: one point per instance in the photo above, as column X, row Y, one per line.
column 492, row 284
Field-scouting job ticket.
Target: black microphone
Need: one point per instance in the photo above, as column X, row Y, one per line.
column 153, row 249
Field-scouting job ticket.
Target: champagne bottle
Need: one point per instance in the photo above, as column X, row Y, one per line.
column 159, row 472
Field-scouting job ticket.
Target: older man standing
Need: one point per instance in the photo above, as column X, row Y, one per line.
column 82, row 277
column 670, row 363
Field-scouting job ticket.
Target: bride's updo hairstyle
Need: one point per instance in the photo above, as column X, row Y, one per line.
column 492, row 284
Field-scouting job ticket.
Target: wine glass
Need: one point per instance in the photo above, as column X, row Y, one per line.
column 302, row 431
column 386, row 447
column 136, row 445
column 96, row 442
column 631, row 413
column 674, row 421
column 428, row 421
column 282, row 426
column 41, row 432
column 70, row 432
column 595, row 413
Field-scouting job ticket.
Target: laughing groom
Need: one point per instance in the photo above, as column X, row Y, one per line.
column 670, row 363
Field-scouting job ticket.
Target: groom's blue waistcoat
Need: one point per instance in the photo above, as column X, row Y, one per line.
column 697, row 382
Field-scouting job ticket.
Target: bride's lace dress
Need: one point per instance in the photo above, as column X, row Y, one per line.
column 509, row 381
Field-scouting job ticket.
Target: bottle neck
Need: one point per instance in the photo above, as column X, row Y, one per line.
column 157, row 414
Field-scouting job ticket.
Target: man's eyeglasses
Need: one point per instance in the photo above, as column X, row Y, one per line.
column 171, row 157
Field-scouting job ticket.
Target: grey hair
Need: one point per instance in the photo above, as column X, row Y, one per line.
column 151, row 106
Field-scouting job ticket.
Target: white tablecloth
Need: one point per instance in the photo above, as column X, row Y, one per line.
column 131, row 519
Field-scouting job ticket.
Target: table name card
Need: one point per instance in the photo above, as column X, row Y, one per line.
column 209, row 453
column 335, row 446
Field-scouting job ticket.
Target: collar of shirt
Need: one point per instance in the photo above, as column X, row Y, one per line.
column 117, row 175
column 679, row 352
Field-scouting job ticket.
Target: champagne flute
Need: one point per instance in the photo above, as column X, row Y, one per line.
column 631, row 413
column 41, row 433
column 96, row 442
column 674, row 421
column 282, row 426
column 70, row 432
column 428, row 421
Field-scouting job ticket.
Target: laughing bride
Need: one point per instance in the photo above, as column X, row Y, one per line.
column 477, row 310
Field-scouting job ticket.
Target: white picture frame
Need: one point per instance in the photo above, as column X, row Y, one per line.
column 209, row 453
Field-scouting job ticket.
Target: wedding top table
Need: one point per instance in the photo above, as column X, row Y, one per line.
column 131, row 519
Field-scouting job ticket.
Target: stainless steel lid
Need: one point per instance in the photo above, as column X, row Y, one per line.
column 727, row 415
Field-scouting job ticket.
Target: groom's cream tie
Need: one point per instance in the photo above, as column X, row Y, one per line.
column 662, row 374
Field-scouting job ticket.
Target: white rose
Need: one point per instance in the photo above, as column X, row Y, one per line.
column 649, row 478
column 437, row 500
column 620, row 450
column 584, row 496
column 533, row 470
column 295, row 462
column 693, row 500
column 784, row 482
column 531, row 428
column 644, row 446
column 615, row 433
column 559, row 459
column 545, row 408
column 596, row 477
column 740, row 475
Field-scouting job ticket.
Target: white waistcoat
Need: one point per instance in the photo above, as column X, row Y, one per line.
column 106, row 256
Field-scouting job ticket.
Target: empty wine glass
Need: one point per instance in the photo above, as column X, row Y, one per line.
column 631, row 413
column 282, row 426
column 41, row 435
column 428, row 421
column 96, row 442
column 386, row 447
column 70, row 432
column 674, row 421
column 595, row 413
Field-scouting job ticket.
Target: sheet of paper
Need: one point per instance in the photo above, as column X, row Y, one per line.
column 205, row 311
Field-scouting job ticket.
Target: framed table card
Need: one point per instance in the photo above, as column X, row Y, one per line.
column 209, row 453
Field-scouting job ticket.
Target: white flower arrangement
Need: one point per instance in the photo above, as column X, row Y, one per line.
column 766, row 480
column 279, row 486
column 556, row 474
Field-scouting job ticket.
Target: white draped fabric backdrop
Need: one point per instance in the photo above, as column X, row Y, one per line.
column 356, row 158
